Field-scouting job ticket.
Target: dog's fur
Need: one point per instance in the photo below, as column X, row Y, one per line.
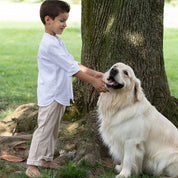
column 140, row 138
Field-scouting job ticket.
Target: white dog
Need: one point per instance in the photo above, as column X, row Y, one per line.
column 140, row 138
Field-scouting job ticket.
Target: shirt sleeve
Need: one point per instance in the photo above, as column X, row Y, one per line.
column 62, row 58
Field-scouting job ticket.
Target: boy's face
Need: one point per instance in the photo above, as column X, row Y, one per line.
column 57, row 25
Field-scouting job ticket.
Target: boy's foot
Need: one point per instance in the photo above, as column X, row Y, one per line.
column 49, row 164
column 32, row 171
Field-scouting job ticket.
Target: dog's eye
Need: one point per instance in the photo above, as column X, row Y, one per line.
column 126, row 73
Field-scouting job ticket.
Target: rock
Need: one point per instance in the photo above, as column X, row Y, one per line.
column 23, row 119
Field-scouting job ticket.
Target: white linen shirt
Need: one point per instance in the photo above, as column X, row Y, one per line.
column 55, row 70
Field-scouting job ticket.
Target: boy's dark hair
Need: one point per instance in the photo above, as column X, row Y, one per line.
column 53, row 8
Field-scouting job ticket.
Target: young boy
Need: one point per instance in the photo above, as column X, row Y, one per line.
column 56, row 68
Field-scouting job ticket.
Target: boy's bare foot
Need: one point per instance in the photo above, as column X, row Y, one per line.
column 32, row 171
column 49, row 164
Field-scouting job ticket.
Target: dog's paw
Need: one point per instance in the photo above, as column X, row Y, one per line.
column 124, row 174
column 120, row 176
column 118, row 168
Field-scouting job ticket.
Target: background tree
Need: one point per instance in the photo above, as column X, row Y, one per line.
column 130, row 32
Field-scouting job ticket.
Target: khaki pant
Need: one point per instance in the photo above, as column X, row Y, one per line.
column 45, row 136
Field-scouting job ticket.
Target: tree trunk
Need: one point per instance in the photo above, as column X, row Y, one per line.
column 130, row 32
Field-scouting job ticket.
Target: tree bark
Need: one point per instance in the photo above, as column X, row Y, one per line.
column 130, row 32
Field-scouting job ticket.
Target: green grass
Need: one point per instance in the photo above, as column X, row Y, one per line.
column 70, row 170
column 18, row 69
column 171, row 59
column 18, row 59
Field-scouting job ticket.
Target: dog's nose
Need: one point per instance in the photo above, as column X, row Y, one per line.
column 113, row 72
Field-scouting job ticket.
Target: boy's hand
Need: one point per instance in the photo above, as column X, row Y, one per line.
column 100, row 85
column 96, row 81
column 98, row 75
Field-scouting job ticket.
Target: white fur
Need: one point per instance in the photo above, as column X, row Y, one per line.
column 138, row 136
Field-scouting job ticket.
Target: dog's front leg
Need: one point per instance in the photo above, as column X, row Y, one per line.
column 133, row 157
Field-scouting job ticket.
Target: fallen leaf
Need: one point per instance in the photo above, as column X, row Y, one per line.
column 20, row 147
column 12, row 158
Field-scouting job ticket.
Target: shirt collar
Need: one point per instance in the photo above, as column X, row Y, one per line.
column 54, row 37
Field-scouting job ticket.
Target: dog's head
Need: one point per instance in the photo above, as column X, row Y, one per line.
column 121, row 77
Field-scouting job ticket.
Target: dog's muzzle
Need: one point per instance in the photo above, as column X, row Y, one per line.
column 112, row 83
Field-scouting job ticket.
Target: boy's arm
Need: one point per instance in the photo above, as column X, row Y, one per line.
column 91, row 72
column 97, row 83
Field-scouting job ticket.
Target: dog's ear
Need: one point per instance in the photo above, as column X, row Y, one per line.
column 138, row 90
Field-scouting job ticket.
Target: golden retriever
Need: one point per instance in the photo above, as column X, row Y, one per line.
column 139, row 138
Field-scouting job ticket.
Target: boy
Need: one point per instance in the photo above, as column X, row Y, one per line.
column 56, row 68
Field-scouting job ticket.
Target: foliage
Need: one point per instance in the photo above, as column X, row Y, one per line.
column 84, row 170
column 172, row 2
column 6, row 169
column 72, row 171
column 171, row 59
column 39, row 1
column 6, row 112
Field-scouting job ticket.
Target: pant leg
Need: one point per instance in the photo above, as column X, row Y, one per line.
column 43, row 141
column 54, row 134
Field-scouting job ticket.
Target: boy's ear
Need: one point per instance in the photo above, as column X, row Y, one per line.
column 47, row 19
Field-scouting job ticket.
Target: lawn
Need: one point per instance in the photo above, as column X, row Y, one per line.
column 18, row 59
column 171, row 59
